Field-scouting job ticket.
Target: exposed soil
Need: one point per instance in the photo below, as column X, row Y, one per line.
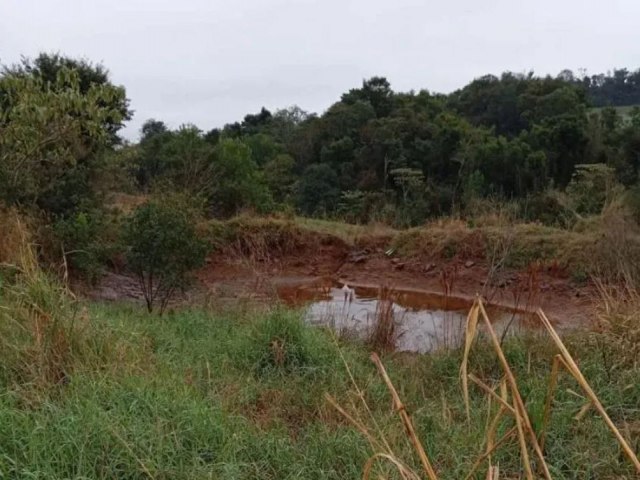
column 231, row 277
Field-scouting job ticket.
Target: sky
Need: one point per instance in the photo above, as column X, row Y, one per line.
column 210, row 62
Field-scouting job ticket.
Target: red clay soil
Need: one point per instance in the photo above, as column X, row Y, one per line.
column 567, row 303
column 231, row 277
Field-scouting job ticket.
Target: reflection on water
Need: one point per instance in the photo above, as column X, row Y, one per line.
column 424, row 321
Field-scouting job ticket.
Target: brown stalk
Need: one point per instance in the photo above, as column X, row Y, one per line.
column 553, row 382
column 523, row 442
column 488, row 453
column 359, row 426
column 404, row 471
column 492, row 393
column 517, row 399
column 406, row 420
column 469, row 336
column 577, row 374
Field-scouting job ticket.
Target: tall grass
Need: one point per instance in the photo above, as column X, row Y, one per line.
column 46, row 335
column 202, row 394
column 90, row 391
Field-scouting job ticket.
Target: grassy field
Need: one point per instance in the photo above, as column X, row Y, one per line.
column 240, row 395
column 93, row 391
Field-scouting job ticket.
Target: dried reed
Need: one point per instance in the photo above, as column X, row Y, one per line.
column 509, row 400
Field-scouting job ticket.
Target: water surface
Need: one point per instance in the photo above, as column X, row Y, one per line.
column 425, row 321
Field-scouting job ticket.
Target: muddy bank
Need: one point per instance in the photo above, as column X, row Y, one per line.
column 256, row 268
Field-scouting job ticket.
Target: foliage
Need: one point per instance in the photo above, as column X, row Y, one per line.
column 162, row 248
column 591, row 188
column 281, row 344
column 47, row 66
column 318, row 191
column 237, row 182
column 280, row 177
column 50, row 136
column 175, row 397
column 83, row 243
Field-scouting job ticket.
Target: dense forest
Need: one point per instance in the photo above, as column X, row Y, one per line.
column 374, row 155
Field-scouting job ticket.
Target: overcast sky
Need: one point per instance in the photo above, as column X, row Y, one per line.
column 210, row 62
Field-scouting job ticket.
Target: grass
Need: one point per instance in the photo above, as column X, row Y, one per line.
column 201, row 394
column 603, row 246
column 110, row 392
column 594, row 246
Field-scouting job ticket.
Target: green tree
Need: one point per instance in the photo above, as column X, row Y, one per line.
column 376, row 91
column 47, row 66
column 280, row 177
column 591, row 188
column 318, row 191
column 51, row 136
column 236, row 181
column 162, row 249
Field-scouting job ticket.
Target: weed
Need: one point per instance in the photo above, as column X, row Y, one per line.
column 384, row 328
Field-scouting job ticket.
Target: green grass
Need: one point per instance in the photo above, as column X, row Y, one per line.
column 240, row 395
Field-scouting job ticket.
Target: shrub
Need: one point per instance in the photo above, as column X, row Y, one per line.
column 281, row 343
column 547, row 208
column 162, row 247
column 591, row 188
column 82, row 243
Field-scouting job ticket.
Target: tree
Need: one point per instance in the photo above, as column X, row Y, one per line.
column 280, row 177
column 47, row 66
column 376, row 91
column 151, row 164
column 236, row 181
column 51, row 136
column 162, row 249
column 318, row 190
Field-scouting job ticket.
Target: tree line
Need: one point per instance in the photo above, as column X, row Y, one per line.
column 376, row 154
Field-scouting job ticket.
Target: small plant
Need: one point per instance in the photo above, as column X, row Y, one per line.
column 384, row 333
column 162, row 248
column 281, row 344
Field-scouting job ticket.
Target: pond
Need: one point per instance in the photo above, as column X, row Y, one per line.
column 424, row 321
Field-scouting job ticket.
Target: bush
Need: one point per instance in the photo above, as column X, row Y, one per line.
column 591, row 188
column 162, row 248
column 83, row 243
column 283, row 344
column 548, row 209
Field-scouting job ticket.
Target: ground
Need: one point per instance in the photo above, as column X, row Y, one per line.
column 262, row 262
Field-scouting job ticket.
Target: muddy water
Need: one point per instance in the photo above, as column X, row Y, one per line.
column 424, row 321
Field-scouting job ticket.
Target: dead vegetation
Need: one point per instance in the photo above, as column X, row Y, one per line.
column 266, row 240
column 504, row 399
column 384, row 330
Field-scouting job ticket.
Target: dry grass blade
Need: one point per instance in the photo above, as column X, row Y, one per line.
column 469, row 336
column 384, row 333
column 493, row 473
column 583, row 411
column 517, row 399
column 492, row 393
column 553, row 382
column 577, row 374
column 360, row 395
column 491, row 432
column 523, row 442
column 406, row 420
column 404, row 472
column 488, row 453
column 359, row 426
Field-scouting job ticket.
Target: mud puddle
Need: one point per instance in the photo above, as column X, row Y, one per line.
column 424, row 321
